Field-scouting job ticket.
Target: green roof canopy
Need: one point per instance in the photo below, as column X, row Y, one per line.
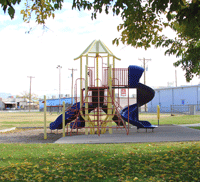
column 97, row 47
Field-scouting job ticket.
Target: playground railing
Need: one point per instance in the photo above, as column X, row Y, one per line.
column 120, row 77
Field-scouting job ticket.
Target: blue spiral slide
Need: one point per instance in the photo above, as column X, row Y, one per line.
column 144, row 95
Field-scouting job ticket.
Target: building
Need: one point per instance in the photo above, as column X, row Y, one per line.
column 2, row 105
column 123, row 101
column 170, row 97
column 55, row 103
column 16, row 103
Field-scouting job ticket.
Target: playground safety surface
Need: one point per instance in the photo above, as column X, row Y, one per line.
column 164, row 133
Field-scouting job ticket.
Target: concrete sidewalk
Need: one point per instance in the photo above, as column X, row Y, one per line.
column 165, row 133
column 188, row 125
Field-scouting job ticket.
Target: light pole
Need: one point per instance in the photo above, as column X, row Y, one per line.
column 59, row 68
column 72, row 75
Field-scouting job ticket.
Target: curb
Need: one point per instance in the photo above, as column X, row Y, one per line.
column 189, row 125
column 5, row 130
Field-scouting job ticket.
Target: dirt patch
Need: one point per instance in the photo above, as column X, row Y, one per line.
column 29, row 136
column 36, row 135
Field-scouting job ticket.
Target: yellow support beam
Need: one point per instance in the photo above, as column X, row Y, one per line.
column 158, row 113
column 45, row 118
column 97, row 70
column 86, row 98
column 63, row 118
column 109, row 95
column 81, row 76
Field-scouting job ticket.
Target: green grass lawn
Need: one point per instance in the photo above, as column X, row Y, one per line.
column 178, row 161
column 20, row 119
column 25, row 119
column 196, row 127
column 168, row 119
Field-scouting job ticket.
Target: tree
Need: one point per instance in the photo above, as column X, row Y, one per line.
column 26, row 95
column 143, row 22
column 43, row 9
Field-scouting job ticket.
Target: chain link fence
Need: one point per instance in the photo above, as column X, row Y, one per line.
column 177, row 109
column 58, row 109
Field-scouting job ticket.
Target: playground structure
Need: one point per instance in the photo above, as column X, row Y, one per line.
column 98, row 107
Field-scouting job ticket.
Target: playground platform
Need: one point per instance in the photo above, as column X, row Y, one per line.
column 164, row 133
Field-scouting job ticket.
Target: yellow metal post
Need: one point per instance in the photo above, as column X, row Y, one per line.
column 45, row 118
column 97, row 70
column 63, row 118
column 81, row 76
column 86, row 98
column 158, row 113
column 109, row 96
column 110, row 100
column 113, row 78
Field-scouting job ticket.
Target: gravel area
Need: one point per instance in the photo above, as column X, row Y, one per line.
column 29, row 136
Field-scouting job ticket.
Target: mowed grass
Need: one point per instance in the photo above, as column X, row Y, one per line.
column 178, row 161
column 168, row 119
column 196, row 127
column 36, row 119
column 25, row 119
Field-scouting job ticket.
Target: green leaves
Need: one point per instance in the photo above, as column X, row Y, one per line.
column 11, row 12
column 190, row 62
column 43, row 10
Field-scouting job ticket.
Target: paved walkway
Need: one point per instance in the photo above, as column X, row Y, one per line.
column 188, row 125
column 163, row 133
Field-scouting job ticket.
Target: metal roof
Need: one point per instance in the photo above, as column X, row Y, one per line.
column 10, row 102
column 97, row 46
column 182, row 86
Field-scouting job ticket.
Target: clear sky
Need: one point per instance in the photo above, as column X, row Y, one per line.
column 69, row 33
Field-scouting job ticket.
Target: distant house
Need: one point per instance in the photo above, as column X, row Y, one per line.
column 2, row 105
column 9, row 103
column 16, row 103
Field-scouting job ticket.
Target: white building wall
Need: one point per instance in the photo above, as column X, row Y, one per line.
column 186, row 95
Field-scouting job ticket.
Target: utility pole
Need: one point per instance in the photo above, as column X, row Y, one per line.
column 72, row 75
column 30, row 92
column 145, row 61
column 176, row 77
column 59, row 68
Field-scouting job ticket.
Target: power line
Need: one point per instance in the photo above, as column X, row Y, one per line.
column 144, row 66
column 176, row 77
